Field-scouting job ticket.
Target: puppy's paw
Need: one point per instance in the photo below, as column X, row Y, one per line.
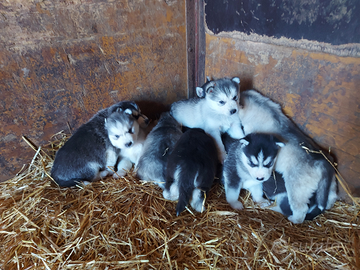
column 172, row 194
column 119, row 173
column 297, row 219
column 264, row 203
column 198, row 200
column 198, row 206
column 236, row 205
column 123, row 167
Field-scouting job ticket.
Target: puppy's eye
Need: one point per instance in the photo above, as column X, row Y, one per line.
column 235, row 98
column 221, row 102
column 252, row 164
column 269, row 164
column 131, row 130
column 116, row 137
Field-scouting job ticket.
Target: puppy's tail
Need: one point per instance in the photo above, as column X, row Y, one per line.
column 185, row 193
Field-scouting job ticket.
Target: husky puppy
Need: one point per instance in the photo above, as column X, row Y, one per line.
column 157, row 147
column 191, row 169
column 304, row 172
column 95, row 146
column 274, row 189
column 214, row 110
column 249, row 163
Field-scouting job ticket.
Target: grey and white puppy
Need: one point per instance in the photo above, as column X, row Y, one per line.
column 275, row 190
column 191, row 170
column 249, row 163
column 157, row 147
column 96, row 145
column 214, row 110
column 304, row 173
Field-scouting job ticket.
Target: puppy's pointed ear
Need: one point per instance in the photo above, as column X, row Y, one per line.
column 200, row 92
column 244, row 142
column 280, row 144
column 135, row 105
column 208, row 79
column 236, row 80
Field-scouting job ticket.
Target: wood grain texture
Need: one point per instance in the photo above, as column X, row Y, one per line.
column 62, row 61
column 319, row 91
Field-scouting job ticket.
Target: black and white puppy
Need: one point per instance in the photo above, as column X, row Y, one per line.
column 304, row 171
column 215, row 110
column 157, row 147
column 95, row 147
column 275, row 190
column 250, row 162
column 191, row 169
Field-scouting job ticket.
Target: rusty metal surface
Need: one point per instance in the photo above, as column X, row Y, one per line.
column 62, row 61
column 319, row 91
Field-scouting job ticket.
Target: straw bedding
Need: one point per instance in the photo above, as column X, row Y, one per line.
column 126, row 223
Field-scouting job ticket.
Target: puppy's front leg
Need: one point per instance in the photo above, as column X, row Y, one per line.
column 257, row 195
column 123, row 167
column 219, row 145
column 235, row 131
column 232, row 184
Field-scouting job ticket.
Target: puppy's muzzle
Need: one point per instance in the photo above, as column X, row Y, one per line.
column 233, row 111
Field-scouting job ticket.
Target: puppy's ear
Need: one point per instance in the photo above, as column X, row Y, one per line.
column 236, row 80
column 208, row 79
column 136, row 107
column 244, row 142
column 209, row 87
column 200, row 92
column 280, row 144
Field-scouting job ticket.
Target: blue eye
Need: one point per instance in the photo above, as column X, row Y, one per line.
column 116, row 137
column 221, row 102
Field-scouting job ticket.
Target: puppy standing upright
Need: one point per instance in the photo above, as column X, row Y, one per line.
column 96, row 145
column 215, row 111
column 157, row 147
column 191, row 169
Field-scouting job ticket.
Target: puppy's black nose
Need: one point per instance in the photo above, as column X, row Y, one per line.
column 260, row 178
column 128, row 144
column 233, row 111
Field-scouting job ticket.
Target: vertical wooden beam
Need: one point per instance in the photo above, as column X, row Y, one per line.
column 195, row 44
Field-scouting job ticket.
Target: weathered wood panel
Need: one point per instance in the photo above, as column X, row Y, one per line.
column 319, row 91
column 61, row 61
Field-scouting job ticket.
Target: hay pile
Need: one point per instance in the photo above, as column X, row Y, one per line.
column 126, row 223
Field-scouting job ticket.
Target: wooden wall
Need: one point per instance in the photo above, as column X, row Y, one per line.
column 319, row 91
column 63, row 60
